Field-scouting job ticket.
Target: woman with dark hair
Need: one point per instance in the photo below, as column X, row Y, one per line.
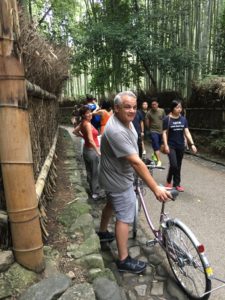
column 105, row 112
column 175, row 129
column 91, row 150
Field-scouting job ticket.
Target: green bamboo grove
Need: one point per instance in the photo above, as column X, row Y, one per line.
column 136, row 44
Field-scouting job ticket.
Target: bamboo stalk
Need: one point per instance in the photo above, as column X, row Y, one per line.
column 40, row 183
column 34, row 90
column 15, row 147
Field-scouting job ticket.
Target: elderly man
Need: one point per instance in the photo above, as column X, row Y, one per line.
column 119, row 160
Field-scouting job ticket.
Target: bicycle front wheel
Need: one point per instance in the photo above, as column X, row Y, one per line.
column 185, row 261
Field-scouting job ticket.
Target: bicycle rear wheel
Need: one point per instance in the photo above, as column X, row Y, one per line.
column 185, row 261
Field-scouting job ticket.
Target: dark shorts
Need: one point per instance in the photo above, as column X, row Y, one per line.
column 156, row 139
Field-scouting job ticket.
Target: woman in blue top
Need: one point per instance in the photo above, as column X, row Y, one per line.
column 175, row 129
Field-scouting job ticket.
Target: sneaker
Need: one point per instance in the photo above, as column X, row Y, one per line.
column 180, row 188
column 95, row 196
column 106, row 236
column 154, row 158
column 131, row 265
column 159, row 163
column 98, row 196
column 168, row 185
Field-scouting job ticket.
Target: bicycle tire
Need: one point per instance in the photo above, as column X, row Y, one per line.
column 185, row 261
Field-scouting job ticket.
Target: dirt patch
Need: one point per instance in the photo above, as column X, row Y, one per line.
column 64, row 194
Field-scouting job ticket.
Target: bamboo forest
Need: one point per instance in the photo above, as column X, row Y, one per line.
column 144, row 45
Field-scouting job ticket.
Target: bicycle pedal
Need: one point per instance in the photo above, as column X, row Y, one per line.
column 151, row 243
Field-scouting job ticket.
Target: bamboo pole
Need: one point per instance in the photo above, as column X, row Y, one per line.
column 34, row 90
column 40, row 183
column 15, row 146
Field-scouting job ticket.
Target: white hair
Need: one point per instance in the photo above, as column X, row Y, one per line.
column 118, row 98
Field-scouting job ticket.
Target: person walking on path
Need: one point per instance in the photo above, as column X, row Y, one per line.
column 154, row 121
column 144, row 110
column 105, row 113
column 91, row 151
column 119, row 160
column 175, row 130
column 138, row 123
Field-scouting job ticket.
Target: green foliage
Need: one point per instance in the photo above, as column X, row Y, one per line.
column 219, row 46
column 118, row 42
column 219, row 145
column 55, row 18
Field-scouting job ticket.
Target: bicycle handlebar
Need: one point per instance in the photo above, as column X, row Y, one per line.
column 174, row 193
column 152, row 167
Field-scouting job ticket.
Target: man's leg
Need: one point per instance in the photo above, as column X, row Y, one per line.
column 104, row 234
column 157, row 154
column 122, row 232
column 106, row 215
column 154, row 145
column 157, row 144
column 124, row 205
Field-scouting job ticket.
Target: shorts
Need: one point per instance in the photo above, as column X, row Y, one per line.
column 123, row 204
column 156, row 140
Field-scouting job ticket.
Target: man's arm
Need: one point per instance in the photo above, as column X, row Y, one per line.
column 141, row 169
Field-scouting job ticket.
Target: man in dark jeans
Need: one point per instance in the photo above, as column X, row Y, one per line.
column 138, row 123
column 119, row 159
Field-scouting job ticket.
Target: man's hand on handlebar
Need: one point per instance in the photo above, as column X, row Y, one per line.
column 163, row 194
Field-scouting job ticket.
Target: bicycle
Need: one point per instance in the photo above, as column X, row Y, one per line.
column 185, row 254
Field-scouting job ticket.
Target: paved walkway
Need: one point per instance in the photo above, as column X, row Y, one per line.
column 157, row 283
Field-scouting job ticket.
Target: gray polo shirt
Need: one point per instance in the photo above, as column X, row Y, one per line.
column 118, row 141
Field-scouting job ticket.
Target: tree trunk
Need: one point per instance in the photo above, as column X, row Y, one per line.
column 15, row 147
